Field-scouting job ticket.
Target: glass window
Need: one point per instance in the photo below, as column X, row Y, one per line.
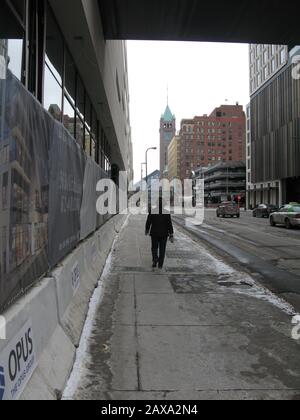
column 79, row 130
column 70, row 78
column 258, row 79
column 258, row 64
column 54, row 68
column 87, row 140
column 52, row 95
column 282, row 56
column 69, row 117
column 94, row 123
column 14, row 55
column 54, row 48
column 273, row 65
column 80, row 97
column 273, row 49
column 93, row 148
column 88, row 111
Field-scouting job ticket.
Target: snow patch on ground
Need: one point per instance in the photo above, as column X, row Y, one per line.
column 266, row 295
column 82, row 351
column 219, row 266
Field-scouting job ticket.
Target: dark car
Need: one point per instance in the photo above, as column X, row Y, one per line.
column 228, row 208
column 264, row 210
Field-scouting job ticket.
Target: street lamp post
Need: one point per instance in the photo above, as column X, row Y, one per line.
column 142, row 172
column 150, row 148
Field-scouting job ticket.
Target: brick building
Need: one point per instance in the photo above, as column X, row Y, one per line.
column 208, row 140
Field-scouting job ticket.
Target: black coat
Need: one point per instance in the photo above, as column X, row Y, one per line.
column 159, row 225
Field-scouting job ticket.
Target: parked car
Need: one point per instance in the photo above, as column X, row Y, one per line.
column 228, row 208
column 288, row 215
column 264, row 210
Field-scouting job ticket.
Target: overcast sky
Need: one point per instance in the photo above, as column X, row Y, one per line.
column 200, row 77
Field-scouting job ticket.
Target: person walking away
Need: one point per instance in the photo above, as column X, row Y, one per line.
column 160, row 227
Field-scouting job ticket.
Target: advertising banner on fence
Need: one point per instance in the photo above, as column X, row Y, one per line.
column 88, row 216
column 17, row 364
column 24, row 179
column 48, row 191
column 67, row 166
column 100, row 175
column 90, row 220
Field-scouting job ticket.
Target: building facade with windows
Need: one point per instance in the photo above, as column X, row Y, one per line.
column 211, row 139
column 223, row 182
column 265, row 61
column 248, row 157
column 264, row 193
column 274, row 116
column 66, row 67
column 3, row 47
column 92, row 100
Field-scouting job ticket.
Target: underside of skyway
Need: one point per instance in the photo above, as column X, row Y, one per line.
column 243, row 21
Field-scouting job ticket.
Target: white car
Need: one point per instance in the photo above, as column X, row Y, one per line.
column 288, row 215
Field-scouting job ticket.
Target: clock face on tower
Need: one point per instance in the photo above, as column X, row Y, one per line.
column 168, row 126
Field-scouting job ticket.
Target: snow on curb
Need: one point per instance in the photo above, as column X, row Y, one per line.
column 95, row 301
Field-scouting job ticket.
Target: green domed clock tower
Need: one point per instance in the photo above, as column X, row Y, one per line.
column 167, row 133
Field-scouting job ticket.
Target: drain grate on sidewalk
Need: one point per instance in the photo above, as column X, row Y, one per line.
column 179, row 270
column 132, row 269
column 142, row 270
column 183, row 255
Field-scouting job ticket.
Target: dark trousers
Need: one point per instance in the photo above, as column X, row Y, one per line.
column 159, row 244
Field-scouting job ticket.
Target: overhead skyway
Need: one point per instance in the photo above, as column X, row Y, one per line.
column 243, row 21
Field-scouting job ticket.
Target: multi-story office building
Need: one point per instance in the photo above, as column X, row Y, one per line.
column 224, row 181
column 249, row 200
column 265, row 61
column 79, row 77
column 274, row 130
column 55, row 70
column 167, row 132
column 152, row 179
column 174, row 158
column 3, row 47
column 208, row 140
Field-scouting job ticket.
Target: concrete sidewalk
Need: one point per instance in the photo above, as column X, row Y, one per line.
column 202, row 330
